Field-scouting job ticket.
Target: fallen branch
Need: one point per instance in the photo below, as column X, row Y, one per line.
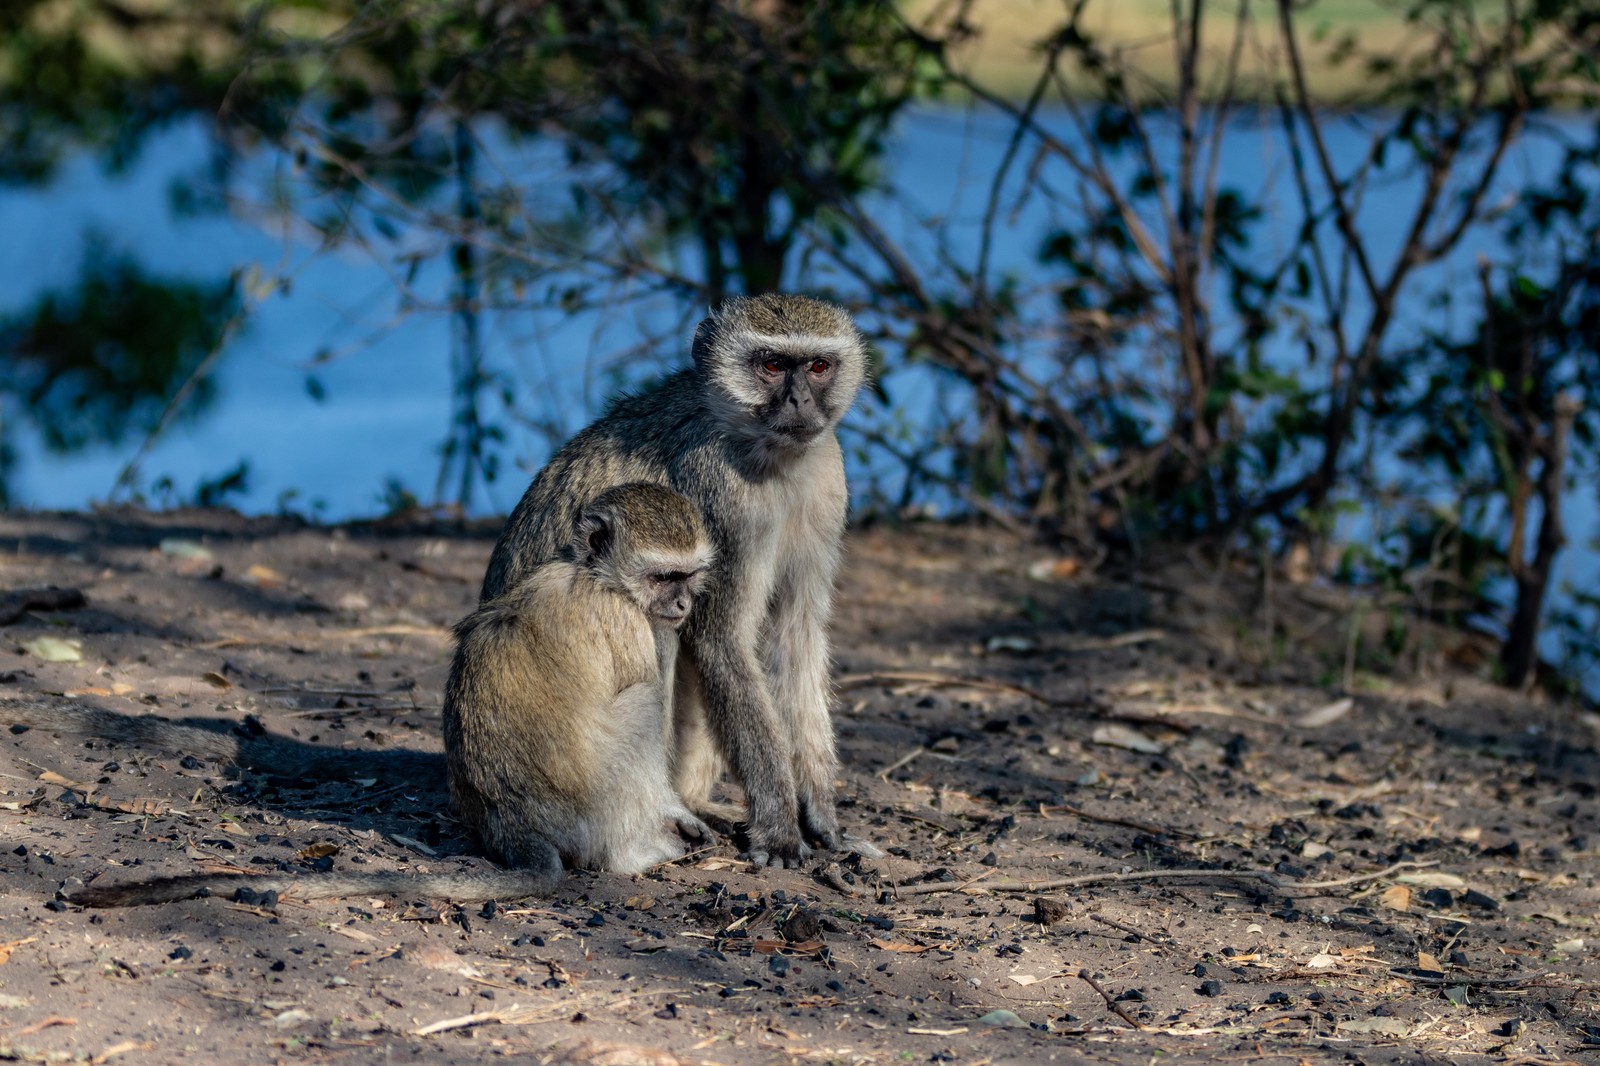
column 850, row 681
column 1052, row 884
column 1111, row 1003
column 1317, row 886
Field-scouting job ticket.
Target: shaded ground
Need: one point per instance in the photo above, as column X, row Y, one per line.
column 1483, row 951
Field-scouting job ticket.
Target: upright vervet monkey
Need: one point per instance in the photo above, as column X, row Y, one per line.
column 553, row 717
column 747, row 434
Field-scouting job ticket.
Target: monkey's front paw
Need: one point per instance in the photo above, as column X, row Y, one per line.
column 788, row 853
column 691, row 828
column 820, row 824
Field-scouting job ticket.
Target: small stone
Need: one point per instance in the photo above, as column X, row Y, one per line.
column 1003, row 1019
column 1210, row 988
column 1048, row 911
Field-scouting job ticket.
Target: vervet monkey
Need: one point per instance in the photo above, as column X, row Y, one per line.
column 553, row 717
column 747, row 434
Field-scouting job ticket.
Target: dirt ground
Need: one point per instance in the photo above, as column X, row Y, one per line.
column 1187, row 722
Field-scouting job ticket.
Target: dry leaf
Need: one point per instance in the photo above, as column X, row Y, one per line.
column 1054, row 569
column 1428, row 964
column 1432, row 880
column 1312, row 850
column 146, row 805
column 263, row 577
column 54, row 649
column 11, row 945
column 186, row 549
column 1321, row 961
column 96, row 691
column 1017, row 645
column 892, row 945
column 50, row 777
column 639, row 903
column 1117, row 735
column 317, row 851
column 1327, row 714
column 1387, row 1026
column 1396, row 898
column 211, row 677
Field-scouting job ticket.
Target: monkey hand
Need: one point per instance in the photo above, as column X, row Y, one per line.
column 818, row 821
column 779, row 846
column 692, row 828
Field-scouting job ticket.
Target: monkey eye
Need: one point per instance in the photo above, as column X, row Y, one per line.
column 772, row 365
column 673, row 577
column 820, row 366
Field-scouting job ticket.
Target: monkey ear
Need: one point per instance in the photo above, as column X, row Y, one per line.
column 595, row 535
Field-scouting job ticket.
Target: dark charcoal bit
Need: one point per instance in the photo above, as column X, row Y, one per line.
column 1438, row 898
column 1289, row 869
column 267, row 900
column 490, row 909
column 189, row 762
column 180, row 953
column 1132, row 995
column 878, row 922
column 990, row 859
column 1279, row 999
column 668, row 1013
column 1210, row 988
column 1049, row 911
column 801, row 925
column 1200, row 970
column 54, row 905
column 1473, row 898
column 17, row 728
column 778, row 966
column 1233, row 751
column 596, row 921
column 323, row 865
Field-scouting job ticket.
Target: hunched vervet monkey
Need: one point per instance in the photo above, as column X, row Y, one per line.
column 747, row 434
column 553, row 718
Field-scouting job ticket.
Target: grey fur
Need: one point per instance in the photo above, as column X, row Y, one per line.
column 554, row 720
column 755, row 450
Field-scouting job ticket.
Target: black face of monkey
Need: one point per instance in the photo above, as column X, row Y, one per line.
column 671, row 595
column 796, row 386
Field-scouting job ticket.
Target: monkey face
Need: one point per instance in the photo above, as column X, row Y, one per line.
column 795, row 386
column 670, row 595
column 783, row 370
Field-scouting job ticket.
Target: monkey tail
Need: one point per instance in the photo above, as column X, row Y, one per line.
column 465, row 886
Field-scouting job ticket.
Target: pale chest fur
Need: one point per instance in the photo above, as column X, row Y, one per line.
column 790, row 523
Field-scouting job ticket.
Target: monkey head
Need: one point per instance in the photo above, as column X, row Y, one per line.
column 648, row 544
column 782, row 369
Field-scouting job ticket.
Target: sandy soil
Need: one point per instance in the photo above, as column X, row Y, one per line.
column 1183, row 719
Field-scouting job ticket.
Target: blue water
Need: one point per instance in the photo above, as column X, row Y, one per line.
column 387, row 384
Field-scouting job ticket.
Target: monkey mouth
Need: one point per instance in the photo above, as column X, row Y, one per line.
column 803, row 433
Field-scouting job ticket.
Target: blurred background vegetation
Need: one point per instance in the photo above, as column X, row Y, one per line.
column 1313, row 281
